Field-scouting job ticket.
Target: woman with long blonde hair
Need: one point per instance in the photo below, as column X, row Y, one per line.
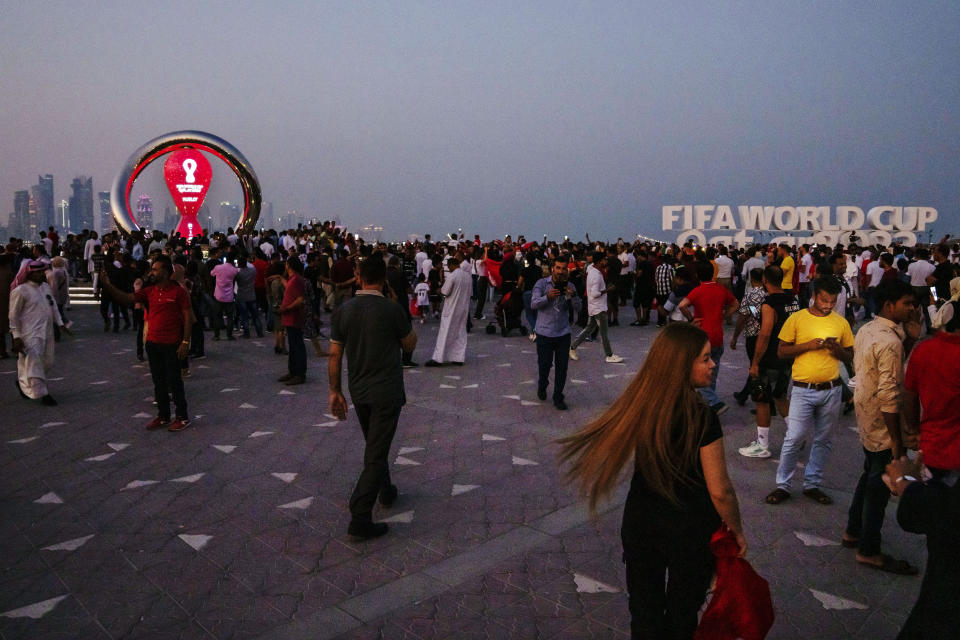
column 680, row 490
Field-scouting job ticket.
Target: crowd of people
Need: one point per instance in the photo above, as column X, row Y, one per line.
column 797, row 307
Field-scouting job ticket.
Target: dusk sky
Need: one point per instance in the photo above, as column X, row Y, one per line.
column 521, row 117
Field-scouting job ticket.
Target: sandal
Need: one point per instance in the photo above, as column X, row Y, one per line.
column 890, row 565
column 777, row 496
column 818, row 496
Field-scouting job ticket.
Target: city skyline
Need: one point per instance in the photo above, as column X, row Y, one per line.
column 556, row 118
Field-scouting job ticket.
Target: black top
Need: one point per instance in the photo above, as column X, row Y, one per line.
column 783, row 305
column 933, row 508
column 530, row 276
column 648, row 514
column 370, row 328
column 944, row 274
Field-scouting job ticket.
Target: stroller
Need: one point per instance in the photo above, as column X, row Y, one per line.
column 509, row 310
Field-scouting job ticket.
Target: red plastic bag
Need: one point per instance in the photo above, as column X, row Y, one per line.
column 741, row 606
column 414, row 309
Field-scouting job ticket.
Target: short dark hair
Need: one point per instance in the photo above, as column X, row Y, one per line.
column 756, row 274
column 704, row 271
column 166, row 262
column 372, row 270
column 827, row 284
column 891, row 291
column 295, row 265
column 773, row 274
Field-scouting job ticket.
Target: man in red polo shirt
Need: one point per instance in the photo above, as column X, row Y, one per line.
column 167, row 340
column 292, row 314
column 712, row 303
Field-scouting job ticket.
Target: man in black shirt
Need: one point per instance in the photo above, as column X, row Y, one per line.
column 372, row 330
column 769, row 373
column 943, row 273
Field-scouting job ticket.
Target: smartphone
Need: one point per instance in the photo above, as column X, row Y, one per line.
column 754, row 311
column 830, row 339
column 933, row 294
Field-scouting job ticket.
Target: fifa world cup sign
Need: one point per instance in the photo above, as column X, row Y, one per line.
column 188, row 175
column 797, row 224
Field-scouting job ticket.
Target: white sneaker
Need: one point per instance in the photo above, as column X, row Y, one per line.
column 573, row 354
column 532, row 336
column 754, row 450
column 614, row 359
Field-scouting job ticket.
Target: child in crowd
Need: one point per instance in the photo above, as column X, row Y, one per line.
column 422, row 291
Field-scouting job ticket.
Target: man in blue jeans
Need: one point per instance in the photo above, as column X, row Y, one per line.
column 818, row 339
column 555, row 300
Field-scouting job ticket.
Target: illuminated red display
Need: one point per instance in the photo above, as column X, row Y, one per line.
column 188, row 175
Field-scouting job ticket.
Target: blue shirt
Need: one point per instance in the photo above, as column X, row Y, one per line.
column 553, row 316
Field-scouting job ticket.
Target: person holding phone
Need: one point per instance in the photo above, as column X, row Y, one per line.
column 817, row 388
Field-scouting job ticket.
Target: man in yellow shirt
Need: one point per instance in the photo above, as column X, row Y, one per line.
column 788, row 265
column 818, row 339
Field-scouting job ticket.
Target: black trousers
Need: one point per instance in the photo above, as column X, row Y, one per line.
column 865, row 518
column 553, row 352
column 379, row 424
column 165, row 371
column 667, row 581
column 297, row 358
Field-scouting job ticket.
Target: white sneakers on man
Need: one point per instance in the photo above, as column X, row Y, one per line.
column 614, row 359
column 755, row 450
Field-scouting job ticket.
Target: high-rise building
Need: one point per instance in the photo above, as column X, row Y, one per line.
column 81, row 204
column 145, row 211
column 46, row 216
column 229, row 214
column 19, row 219
column 107, row 222
column 170, row 220
column 63, row 215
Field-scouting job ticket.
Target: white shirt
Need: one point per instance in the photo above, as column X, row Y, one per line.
column 805, row 263
column 918, row 272
column 288, row 242
column 629, row 263
column 267, row 249
column 724, row 266
column 425, row 267
column 875, row 271
column 750, row 265
column 596, row 298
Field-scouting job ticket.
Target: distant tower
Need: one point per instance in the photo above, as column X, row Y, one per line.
column 107, row 223
column 81, row 204
column 145, row 212
column 63, row 215
column 19, row 221
column 229, row 214
column 46, row 217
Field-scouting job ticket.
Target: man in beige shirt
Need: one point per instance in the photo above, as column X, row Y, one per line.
column 879, row 352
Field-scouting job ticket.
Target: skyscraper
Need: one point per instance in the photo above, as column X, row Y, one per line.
column 63, row 215
column 106, row 215
column 19, row 220
column 81, row 204
column 145, row 211
column 44, row 215
column 229, row 214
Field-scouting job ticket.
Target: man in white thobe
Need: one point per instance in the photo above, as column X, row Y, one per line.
column 452, row 337
column 33, row 314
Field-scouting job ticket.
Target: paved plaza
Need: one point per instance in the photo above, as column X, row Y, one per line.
column 236, row 527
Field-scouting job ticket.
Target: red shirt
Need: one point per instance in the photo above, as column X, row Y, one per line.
column 294, row 290
column 166, row 305
column 260, row 280
column 933, row 373
column 709, row 301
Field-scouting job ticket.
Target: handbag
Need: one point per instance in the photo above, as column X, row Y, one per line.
column 741, row 606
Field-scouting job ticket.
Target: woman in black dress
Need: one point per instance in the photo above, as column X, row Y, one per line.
column 680, row 491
